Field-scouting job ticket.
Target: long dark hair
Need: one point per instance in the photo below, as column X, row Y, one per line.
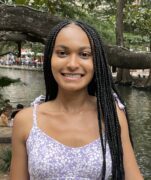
column 101, row 86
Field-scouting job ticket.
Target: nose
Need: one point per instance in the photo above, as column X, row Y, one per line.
column 73, row 62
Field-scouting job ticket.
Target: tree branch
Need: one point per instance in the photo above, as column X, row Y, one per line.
column 33, row 25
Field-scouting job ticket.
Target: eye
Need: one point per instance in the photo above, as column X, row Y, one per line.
column 61, row 53
column 85, row 55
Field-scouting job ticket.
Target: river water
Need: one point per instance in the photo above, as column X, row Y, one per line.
column 138, row 106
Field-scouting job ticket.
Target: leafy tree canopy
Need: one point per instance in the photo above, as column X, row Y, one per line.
column 100, row 14
column 138, row 24
column 137, row 17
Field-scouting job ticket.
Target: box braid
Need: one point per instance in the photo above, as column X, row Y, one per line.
column 125, row 109
column 102, row 87
column 105, row 98
column 50, row 83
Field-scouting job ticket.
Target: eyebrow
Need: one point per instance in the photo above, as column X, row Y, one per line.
column 65, row 47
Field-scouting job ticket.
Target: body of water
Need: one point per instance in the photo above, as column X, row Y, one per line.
column 138, row 106
column 139, row 109
column 31, row 86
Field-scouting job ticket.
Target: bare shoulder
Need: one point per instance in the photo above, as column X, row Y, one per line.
column 23, row 122
column 49, row 106
column 24, row 116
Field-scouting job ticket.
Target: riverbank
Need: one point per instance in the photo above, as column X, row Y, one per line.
column 21, row 67
column 5, row 135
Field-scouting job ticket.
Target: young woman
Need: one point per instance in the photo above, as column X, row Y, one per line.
column 79, row 132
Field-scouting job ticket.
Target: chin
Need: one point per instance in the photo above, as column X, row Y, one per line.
column 74, row 88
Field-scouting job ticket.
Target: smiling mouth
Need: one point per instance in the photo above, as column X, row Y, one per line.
column 72, row 75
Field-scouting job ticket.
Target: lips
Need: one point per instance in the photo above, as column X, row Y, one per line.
column 72, row 75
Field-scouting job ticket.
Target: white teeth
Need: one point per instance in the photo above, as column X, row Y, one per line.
column 73, row 75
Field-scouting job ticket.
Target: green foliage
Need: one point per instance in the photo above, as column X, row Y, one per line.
column 135, row 39
column 88, row 11
column 107, row 31
column 5, row 81
column 137, row 17
column 138, row 23
column 97, row 13
column 36, row 47
column 136, row 42
column 19, row 1
column 6, row 46
column 5, row 158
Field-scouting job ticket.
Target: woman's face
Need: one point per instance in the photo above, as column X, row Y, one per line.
column 72, row 61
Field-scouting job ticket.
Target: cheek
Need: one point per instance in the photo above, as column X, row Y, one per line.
column 91, row 71
column 90, row 68
column 56, row 67
column 92, row 75
column 53, row 66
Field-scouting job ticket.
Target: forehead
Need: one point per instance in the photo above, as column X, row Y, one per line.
column 72, row 34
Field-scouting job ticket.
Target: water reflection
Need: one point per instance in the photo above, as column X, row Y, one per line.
column 139, row 109
column 32, row 86
column 138, row 104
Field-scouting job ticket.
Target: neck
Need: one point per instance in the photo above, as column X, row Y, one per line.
column 73, row 102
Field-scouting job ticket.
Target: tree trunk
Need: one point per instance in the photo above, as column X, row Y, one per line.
column 123, row 75
column 123, row 58
column 119, row 23
column 20, row 23
column 145, row 84
column 30, row 24
column 148, row 81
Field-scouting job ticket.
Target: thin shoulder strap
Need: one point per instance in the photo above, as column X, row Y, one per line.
column 35, row 114
column 120, row 105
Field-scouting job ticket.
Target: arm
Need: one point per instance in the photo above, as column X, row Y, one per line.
column 19, row 167
column 131, row 168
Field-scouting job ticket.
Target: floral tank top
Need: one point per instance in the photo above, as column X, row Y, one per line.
column 48, row 159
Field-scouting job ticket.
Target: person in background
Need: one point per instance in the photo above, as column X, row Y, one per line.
column 81, row 131
column 4, row 117
column 18, row 108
